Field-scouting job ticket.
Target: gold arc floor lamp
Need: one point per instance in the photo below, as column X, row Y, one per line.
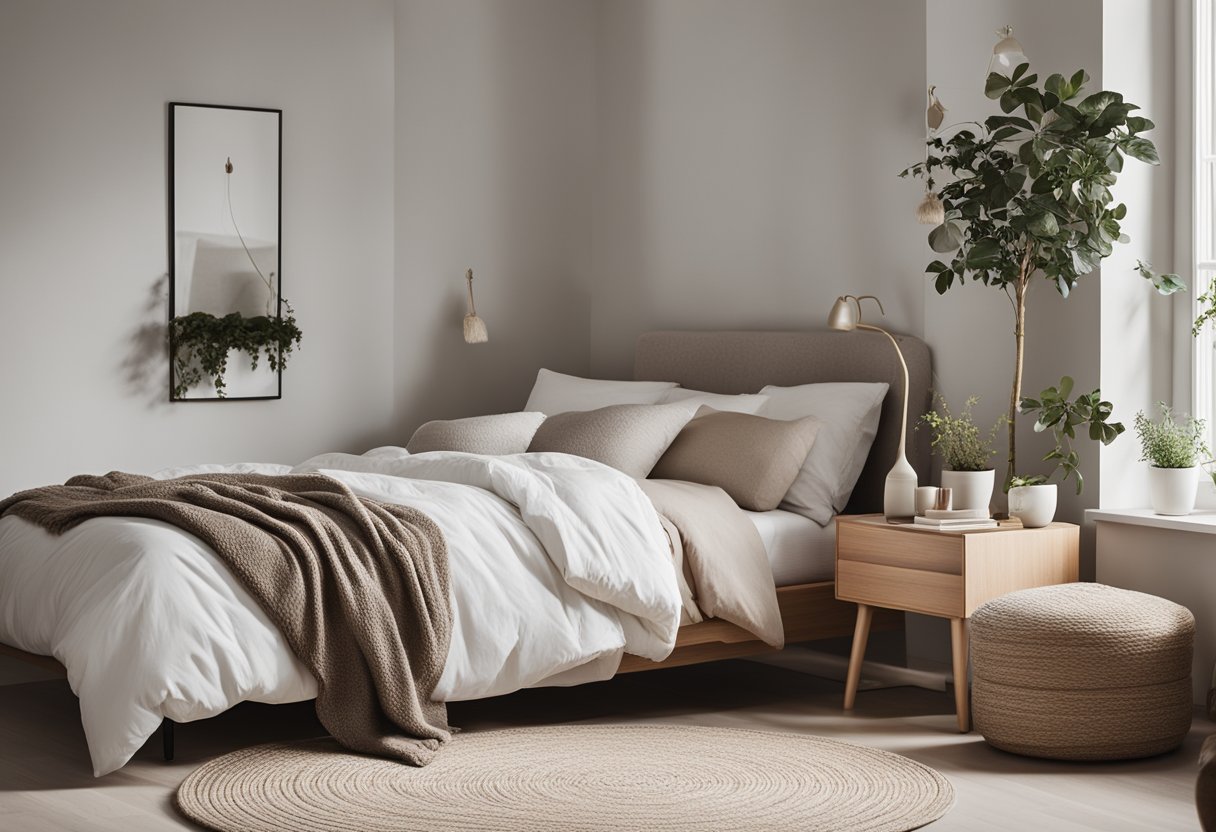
column 899, row 495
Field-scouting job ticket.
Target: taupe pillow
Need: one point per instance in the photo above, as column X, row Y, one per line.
column 629, row 437
column 751, row 458
column 505, row 433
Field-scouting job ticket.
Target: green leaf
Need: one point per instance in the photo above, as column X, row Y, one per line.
column 1044, row 225
column 946, row 237
column 1079, row 79
column 1138, row 124
column 1055, row 84
column 943, row 282
column 1093, row 105
column 985, row 253
column 1019, row 71
column 995, row 85
column 1140, row 148
column 1165, row 284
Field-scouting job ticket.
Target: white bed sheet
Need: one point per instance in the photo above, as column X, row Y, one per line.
column 799, row 550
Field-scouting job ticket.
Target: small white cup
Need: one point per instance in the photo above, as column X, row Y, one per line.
column 926, row 497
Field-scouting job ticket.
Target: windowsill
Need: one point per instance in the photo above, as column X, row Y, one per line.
column 1200, row 521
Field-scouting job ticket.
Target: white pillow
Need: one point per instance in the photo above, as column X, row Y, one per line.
column 848, row 413
column 560, row 393
column 751, row 403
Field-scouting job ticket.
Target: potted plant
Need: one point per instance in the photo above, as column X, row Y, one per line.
column 1032, row 499
column 1029, row 198
column 966, row 454
column 1172, row 448
column 200, row 342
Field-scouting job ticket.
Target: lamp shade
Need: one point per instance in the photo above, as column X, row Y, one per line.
column 1007, row 54
column 843, row 316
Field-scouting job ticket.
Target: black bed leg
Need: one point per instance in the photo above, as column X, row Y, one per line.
column 166, row 737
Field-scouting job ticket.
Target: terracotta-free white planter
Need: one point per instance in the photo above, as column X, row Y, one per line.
column 1172, row 490
column 970, row 490
column 1034, row 505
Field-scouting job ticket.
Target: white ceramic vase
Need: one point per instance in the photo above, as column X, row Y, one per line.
column 899, row 495
column 1034, row 505
column 1172, row 490
column 970, row 490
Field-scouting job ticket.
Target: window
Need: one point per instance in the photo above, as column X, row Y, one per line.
column 1204, row 211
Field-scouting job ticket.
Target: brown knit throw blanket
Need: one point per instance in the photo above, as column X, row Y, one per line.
column 358, row 588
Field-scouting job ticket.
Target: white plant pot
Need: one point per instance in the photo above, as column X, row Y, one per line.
column 1034, row 505
column 970, row 489
column 1172, row 490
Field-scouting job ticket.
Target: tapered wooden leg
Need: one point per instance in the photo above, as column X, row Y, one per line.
column 962, row 689
column 860, row 635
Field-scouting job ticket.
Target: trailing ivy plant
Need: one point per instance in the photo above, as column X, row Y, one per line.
column 1028, row 194
column 200, row 342
column 1063, row 417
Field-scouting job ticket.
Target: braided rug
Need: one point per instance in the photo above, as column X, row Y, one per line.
column 584, row 777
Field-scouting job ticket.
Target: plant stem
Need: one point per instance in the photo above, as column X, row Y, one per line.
column 1019, row 335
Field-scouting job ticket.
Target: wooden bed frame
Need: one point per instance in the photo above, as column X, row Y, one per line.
column 744, row 362
column 810, row 612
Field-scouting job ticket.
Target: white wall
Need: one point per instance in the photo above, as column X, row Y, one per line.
column 1138, row 328
column 495, row 135
column 746, row 165
column 83, row 246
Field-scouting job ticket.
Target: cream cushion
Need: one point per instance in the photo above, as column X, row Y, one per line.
column 559, row 393
column 628, row 437
column 504, row 433
column 1082, row 672
column 848, row 413
column 751, row 458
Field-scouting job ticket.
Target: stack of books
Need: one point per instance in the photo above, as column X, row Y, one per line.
column 955, row 520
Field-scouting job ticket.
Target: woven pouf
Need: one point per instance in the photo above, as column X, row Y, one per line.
column 1082, row 672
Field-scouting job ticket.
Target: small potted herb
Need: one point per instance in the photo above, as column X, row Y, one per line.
column 966, row 454
column 1032, row 499
column 1173, row 449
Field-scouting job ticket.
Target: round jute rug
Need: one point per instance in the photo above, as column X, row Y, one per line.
column 579, row 777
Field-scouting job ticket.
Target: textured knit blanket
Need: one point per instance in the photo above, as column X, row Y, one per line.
column 358, row 588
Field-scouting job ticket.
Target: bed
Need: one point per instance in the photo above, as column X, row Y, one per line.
column 721, row 362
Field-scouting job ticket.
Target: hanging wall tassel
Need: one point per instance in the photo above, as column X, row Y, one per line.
column 474, row 327
column 930, row 211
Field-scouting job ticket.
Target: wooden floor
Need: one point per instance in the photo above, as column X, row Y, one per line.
column 46, row 782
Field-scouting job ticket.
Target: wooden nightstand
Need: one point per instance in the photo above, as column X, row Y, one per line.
column 947, row 574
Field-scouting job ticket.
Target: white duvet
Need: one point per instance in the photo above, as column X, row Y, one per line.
column 558, row 566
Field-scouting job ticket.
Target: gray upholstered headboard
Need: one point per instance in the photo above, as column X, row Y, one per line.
column 743, row 362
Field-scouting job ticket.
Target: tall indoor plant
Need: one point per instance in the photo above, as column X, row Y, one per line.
column 1029, row 195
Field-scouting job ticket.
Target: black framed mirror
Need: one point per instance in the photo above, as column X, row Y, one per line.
column 225, row 230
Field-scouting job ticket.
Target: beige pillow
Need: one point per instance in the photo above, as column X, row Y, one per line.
column 628, row 437
column 505, row 433
column 751, row 458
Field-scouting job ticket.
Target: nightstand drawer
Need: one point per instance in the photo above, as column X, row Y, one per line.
column 918, row 590
column 916, row 549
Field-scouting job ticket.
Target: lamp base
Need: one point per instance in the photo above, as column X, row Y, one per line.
column 899, row 495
